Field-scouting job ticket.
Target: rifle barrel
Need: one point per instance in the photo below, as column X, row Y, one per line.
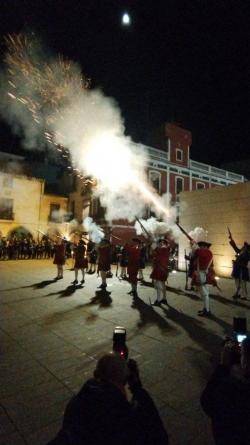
column 184, row 231
column 143, row 228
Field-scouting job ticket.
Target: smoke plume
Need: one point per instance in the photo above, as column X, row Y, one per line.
column 48, row 98
column 96, row 233
column 198, row 234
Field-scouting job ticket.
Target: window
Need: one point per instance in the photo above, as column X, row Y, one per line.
column 155, row 180
column 54, row 214
column 179, row 154
column 6, row 208
column 179, row 185
column 200, row 185
column 7, row 181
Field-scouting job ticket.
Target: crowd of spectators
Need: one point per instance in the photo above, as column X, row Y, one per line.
column 26, row 248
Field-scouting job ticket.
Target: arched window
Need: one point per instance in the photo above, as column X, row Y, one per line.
column 179, row 185
column 200, row 185
column 155, row 180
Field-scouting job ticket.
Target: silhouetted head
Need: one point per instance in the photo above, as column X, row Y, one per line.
column 111, row 368
column 204, row 244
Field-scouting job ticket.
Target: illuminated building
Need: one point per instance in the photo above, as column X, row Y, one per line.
column 25, row 208
column 171, row 170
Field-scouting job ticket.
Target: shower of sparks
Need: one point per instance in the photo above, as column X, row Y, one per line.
column 53, row 84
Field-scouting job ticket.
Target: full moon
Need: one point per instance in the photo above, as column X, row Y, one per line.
column 126, row 20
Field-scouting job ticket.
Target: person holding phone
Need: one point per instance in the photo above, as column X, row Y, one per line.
column 226, row 397
column 101, row 414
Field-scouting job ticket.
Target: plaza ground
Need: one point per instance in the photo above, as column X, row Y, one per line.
column 52, row 334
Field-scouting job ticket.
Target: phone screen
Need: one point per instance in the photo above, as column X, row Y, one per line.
column 241, row 337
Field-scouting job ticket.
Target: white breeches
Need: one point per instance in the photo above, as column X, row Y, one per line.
column 203, row 289
column 160, row 287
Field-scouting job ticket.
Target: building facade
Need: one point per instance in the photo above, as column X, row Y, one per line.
column 173, row 171
column 170, row 170
column 25, row 208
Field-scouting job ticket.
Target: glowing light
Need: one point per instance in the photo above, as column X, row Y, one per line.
column 108, row 159
column 44, row 88
column 217, row 278
column 174, row 271
column 126, row 20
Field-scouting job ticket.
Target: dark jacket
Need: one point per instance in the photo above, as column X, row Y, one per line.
column 240, row 269
column 100, row 414
column 226, row 399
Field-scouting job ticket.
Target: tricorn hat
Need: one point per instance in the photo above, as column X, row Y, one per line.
column 204, row 244
column 105, row 240
column 136, row 240
column 163, row 240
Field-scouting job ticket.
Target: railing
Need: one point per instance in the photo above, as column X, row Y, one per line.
column 162, row 156
column 153, row 153
column 199, row 166
column 235, row 176
column 10, row 216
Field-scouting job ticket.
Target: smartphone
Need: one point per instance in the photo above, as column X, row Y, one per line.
column 119, row 342
column 240, row 338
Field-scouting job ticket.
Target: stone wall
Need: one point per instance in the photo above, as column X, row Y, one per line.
column 214, row 210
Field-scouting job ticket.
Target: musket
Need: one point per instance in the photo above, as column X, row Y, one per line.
column 142, row 227
column 116, row 237
column 229, row 233
column 186, row 270
column 184, row 232
column 117, row 267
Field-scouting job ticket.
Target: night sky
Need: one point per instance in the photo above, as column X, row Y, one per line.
column 184, row 61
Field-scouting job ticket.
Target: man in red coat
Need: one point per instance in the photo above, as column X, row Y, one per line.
column 204, row 274
column 81, row 261
column 133, row 254
column 59, row 258
column 159, row 273
column 104, row 260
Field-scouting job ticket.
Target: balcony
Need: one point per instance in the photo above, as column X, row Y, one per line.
column 214, row 171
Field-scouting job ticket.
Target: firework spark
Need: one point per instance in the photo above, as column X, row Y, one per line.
column 84, row 126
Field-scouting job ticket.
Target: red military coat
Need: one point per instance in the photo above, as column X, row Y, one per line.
column 160, row 263
column 81, row 261
column 104, row 257
column 59, row 257
column 133, row 254
column 203, row 261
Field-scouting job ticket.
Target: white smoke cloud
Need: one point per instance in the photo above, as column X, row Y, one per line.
column 90, row 125
column 96, row 233
column 198, row 234
column 161, row 228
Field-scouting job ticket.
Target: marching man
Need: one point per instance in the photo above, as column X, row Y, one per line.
column 204, row 274
column 59, row 258
column 159, row 273
column 104, row 261
column 190, row 258
column 81, row 261
column 133, row 255
column 240, row 271
column 123, row 262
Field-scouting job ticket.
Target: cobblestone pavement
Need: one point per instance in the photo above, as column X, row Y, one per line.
column 52, row 334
